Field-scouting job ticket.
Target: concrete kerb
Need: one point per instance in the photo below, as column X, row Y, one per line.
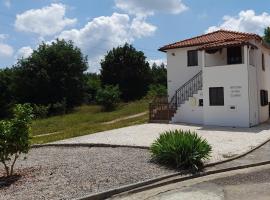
column 150, row 183
column 90, row 145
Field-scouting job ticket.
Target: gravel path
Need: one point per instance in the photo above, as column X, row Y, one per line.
column 226, row 141
column 67, row 173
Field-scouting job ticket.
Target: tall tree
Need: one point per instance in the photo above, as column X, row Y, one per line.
column 159, row 74
column 126, row 67
column 53, row 73
column 266, row 36
column 7, row 97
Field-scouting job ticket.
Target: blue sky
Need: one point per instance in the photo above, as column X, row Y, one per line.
column 97, row 26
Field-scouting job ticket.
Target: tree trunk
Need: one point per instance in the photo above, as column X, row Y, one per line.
column 6, row 168
column 13, row 163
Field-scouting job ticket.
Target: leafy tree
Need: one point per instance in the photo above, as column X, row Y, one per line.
column 92, row 85
column 53, row 73
column 159, row 74
column 14, row 137
column 108, row 97
column 266, row 36
column 156, row 90
column 7, row 97
column 126, row 67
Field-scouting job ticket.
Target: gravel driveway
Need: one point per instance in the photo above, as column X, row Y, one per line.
column 67, row 173
column 226, row 142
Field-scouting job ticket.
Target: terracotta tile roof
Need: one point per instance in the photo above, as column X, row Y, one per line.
column 215, row 39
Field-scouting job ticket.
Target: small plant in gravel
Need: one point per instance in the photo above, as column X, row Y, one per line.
column 14, row 136
column 181, row 149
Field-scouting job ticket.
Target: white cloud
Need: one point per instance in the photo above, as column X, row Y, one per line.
column 3, row 37
column 150, row 7
column 157, row 61
column 24, row 52
column 7, row 3
column 6, row 50
column 245, row 21
column 105, row 32
column 46, row 21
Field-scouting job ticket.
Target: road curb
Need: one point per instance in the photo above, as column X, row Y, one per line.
column 90, row 145
column 149, row 184
column 146, row 185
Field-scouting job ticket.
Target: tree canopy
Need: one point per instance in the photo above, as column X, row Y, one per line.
column 52, row 74
column 266, row 36
column 126, row 67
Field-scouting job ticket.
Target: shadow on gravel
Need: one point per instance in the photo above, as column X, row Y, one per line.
column 7, row 181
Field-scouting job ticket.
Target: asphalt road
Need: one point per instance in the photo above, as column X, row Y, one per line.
column 245, row 184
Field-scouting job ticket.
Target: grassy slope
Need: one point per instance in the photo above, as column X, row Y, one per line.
column 86, row 120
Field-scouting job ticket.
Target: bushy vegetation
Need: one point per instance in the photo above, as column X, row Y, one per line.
column 126, row 67
column 15, row 137
column 54, row 79
column 156, row 90
column 266, row 36
column 108, row 97
column 181, row 149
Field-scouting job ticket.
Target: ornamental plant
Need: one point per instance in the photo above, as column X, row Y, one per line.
column 182, row 149
column 15, row 136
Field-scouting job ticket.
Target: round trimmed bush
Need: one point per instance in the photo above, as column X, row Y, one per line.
column 182, row 149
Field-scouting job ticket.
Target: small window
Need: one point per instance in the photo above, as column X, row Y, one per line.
column 234, row 55
column 192, row 58
column 264, row 97
column 200, row 102
column 216, row 96
column 263, row 63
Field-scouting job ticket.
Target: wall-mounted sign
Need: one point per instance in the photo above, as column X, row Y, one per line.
column 236, row 91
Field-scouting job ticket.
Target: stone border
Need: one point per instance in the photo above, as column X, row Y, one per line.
column 149, row 184
column 88, row 145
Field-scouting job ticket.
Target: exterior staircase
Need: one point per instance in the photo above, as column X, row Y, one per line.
column 162, row 110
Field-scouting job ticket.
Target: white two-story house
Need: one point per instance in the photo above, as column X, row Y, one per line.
column 220, row 78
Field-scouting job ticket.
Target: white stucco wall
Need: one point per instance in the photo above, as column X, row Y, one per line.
column 178, row 72
column 216, row 59
column 190, row 111
column 232, row 78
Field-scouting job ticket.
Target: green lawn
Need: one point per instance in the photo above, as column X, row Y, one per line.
column 86, row 120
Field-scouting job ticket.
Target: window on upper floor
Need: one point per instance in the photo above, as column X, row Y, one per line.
column 234, row 55
column 192, row 57
column 216, row 96
column 263, row 63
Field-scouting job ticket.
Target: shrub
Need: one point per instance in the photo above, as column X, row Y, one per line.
column 156, row 90
column 40, row 111
column 14, row 136
column 108, row 97
column 59, row 108
column 183, row 149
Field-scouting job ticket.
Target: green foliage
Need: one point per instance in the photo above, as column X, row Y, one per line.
column 266, row 36
column 183, row 149
column 7, row 96
column 126, row 67
column 92, row 85
column 40, row 111
column 108, row 97
column 159, row 75
column 14, row 136
column 53, row 73
column 156, row 90
column 58, row 108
